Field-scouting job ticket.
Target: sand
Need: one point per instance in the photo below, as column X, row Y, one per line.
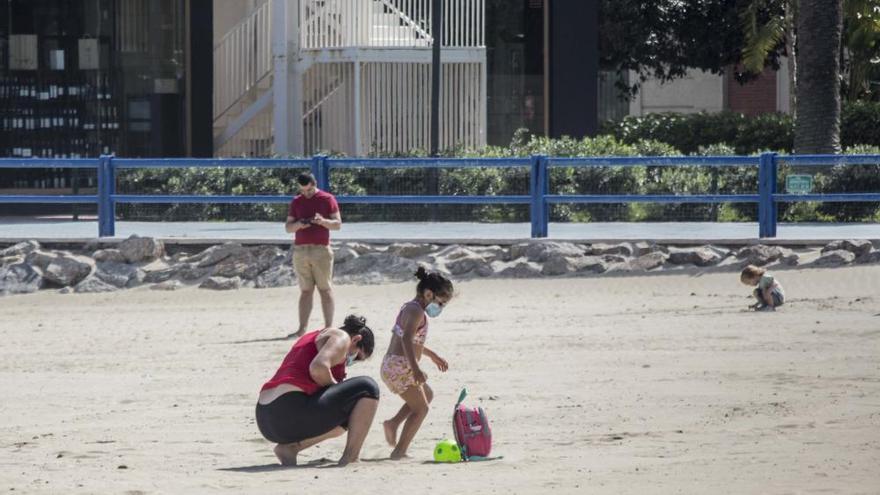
column 652, row 384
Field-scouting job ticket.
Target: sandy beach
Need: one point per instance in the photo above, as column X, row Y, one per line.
column 648, row 384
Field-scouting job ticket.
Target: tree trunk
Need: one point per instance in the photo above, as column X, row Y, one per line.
column 819, row 31
column 790, row 44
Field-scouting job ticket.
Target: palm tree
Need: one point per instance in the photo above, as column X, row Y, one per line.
column 861, row 38
column 819, row 28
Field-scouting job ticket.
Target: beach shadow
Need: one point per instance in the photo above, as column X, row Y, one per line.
column 268, row 468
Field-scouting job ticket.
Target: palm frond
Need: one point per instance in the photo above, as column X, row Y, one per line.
column 759, row 39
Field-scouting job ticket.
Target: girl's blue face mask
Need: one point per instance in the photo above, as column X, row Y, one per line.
column 433, row 309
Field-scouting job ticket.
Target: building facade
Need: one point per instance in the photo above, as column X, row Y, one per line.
column 141, row 78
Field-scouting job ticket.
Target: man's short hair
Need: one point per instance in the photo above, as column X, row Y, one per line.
column 305, row 179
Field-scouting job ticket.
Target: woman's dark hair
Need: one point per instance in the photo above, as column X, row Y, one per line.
column 433, row 281
column 357, row 325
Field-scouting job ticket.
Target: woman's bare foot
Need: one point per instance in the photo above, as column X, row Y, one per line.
column 286, row 453
column 390, row 432
column 397, row 456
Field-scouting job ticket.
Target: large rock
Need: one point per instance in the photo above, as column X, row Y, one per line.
column 94, row 284
column 451, row 253
column 11, row 260
column 473, row 263
column 387, row 266
column 700, row 256
column 563, row 265
column 540, row 252
column 649, row 261
column 247, row 263
column 492, row 253
column 20, row 249
column 614, row 258
column 624, row 249
column 834, row 258
column 516, row 251
column 40, row 259
column 362, row 248
column 344, row 254
column 181, row 271
column 872, row 257
column 220, row 283
column 91, row 245
column 760, row 255
column 278, row 276
column 66, row 271
column 790, row 258
column 409, row 250
column 216, row 254
column 516, row 269
column 111, row 255
column 20, row 278
column 158, row 276
column 118, row 274
column 858, row 247
column 136, row 249
column 642, row 248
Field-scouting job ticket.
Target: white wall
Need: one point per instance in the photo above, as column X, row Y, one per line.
column 698, row 91
column 228, row 13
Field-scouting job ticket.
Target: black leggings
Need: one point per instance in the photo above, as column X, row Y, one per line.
column 296, row 416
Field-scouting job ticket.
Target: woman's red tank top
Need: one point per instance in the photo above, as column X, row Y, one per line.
column 295, row 367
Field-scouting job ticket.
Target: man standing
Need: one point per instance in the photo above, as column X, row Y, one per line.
column 311, row 217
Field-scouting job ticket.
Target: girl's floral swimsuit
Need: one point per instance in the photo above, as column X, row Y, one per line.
column 396, row 372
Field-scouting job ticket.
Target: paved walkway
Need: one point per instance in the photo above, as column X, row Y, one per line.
column 54, row 229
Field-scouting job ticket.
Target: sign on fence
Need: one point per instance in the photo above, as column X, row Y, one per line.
column 799, row 184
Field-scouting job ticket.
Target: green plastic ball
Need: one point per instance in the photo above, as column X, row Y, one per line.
column 447, row 451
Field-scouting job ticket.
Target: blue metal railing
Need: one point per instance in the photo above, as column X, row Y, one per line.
column 539, row 198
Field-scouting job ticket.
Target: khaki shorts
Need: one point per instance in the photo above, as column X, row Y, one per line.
column 313, row 264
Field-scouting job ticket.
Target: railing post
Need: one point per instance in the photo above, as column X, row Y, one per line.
column 316, row 168
column 106, row 190
column 319, row 166
column 766, row 189
column 538, row 188
column 325, row 173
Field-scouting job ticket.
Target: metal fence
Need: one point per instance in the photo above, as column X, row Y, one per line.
column 539, row 199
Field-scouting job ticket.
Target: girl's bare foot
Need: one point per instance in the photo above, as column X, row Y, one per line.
column 344, row 461
column 390, row 432
column 286, row 453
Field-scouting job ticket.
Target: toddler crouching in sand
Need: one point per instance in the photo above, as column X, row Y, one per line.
column 769, row 292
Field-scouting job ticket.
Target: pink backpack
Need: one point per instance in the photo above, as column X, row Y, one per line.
column 472, row 432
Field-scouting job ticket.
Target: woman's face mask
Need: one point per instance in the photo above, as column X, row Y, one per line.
column 352, row 358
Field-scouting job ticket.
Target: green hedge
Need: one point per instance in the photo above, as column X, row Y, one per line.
column 507, row 181
column 860, row 125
